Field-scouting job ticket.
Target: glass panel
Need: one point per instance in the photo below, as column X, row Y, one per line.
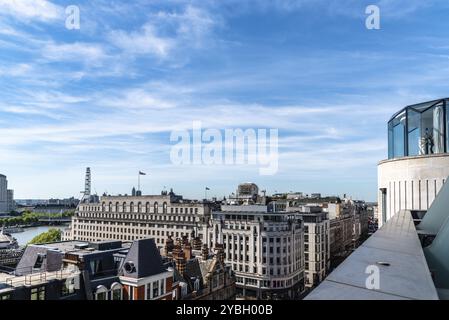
column 117, row 294
column 414, row 133
column 399, row 135
column 447, row 128
column 101, row 296
column 427, row 132
column 438, row 128
column 390, row 140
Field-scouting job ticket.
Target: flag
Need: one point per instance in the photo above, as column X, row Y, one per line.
column 207, row 188
column 142, row 173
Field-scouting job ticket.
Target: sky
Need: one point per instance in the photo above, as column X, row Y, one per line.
column 109, row 94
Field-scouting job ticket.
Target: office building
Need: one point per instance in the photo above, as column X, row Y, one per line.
column 11, row 205
column 3, row 194
column 265, row 248
column 128, row 218
column 316, row 241
column 7, row 203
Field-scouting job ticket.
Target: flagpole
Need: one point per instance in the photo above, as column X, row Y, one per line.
column 138, row 181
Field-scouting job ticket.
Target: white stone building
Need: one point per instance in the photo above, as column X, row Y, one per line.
column 129, row 218
column 316, row 242
column 264, row 248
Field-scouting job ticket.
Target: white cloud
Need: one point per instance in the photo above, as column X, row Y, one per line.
column 78, row 51
column 41, row 10
column 21, row 69
column 167, row 32
column 142, row 42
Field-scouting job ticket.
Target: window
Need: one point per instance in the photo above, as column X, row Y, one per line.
column 5, row 297
column 101, row 296
column 101, row 293
column 156, row 207
column 419, row 130
column 117, row 292
column 155, row 289
column 414, row 132
column 68, row 287
column 196, row 284
column 95, row 267
column 39, row 261
column 396, row 134
column 38, row 293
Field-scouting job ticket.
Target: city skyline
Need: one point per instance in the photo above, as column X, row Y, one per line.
column 107, row 96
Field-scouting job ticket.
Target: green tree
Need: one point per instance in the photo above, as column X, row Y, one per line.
column 52, row 235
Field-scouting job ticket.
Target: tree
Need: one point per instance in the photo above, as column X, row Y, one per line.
column 52, row 235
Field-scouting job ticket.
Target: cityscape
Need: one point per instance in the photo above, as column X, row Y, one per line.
column 204, row 151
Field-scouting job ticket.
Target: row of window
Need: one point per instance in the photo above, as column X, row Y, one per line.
column 139, row 208
column 265, row 283
column 137, row 217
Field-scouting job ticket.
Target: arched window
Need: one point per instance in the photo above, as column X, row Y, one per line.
column 110, row 207
column 103, row 206
column 147, row 205
column 131, row 207
column 196, row 284
column 156, row 207
column 101, row 293
column 117, row 291
column 164, row 207
column 117, row 205
column 139, row 207
column 124, row 207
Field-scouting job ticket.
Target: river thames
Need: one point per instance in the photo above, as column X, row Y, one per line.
column 24, row 237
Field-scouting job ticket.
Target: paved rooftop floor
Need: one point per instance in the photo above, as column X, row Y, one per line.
column 406, row 276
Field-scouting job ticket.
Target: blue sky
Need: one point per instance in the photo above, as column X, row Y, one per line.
column 108, row 95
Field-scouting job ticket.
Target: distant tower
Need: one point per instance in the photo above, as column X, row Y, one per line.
column 87, row 183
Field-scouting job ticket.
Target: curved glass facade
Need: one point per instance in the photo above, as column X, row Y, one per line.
column 420, row 129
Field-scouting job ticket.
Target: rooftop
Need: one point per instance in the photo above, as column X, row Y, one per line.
column 393, row 249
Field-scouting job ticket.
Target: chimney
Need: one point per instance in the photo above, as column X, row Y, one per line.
column 179, row 258
column 205, row 252
column 185, row 240
column 187, row 248
column 169, row 245
column 197, row 243
column 219, row 252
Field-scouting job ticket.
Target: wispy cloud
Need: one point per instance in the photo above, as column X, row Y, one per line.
column 108, row 95
column 28, row 10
